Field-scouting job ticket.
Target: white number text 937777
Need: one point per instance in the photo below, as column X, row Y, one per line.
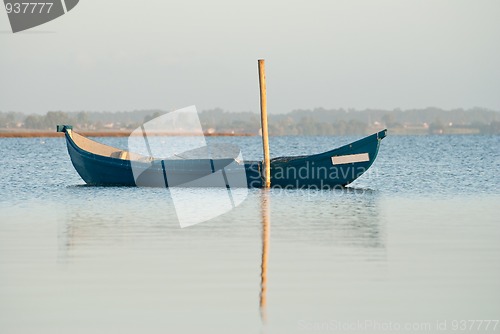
column 28, row 7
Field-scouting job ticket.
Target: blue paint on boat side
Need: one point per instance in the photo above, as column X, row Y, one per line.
column 318, row 171
column 314, row 171
column 99, row 170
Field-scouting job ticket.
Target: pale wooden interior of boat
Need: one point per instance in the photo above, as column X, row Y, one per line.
column 104, row 150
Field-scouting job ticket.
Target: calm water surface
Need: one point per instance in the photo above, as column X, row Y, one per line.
column 414, row 245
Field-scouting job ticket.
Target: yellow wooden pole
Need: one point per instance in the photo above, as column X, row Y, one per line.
column 263, row 119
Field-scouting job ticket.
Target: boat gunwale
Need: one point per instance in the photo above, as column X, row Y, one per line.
column 293, row 159
column 331, row 153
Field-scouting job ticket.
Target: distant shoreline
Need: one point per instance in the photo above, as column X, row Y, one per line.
column 52, row 134
column 307, row 122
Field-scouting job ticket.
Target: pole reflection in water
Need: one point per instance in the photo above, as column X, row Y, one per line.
column 266, row 232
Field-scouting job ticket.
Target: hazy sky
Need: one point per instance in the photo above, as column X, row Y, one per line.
column 125, row 55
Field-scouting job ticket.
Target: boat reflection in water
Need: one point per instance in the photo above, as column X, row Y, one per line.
column 317, row 235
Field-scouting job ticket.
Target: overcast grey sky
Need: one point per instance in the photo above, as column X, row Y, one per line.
column 124, row 55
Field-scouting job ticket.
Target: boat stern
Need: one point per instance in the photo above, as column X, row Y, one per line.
column 63, row 128
column 381, row 134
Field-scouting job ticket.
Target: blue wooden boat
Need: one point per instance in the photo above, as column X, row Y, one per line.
column 100, row 164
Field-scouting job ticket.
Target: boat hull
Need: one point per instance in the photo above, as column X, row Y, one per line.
column 338, row 167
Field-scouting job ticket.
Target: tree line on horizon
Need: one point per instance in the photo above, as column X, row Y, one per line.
column 317, row 121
